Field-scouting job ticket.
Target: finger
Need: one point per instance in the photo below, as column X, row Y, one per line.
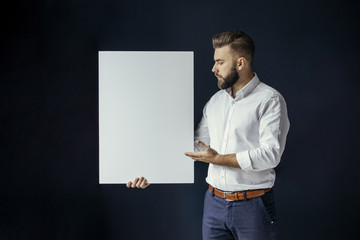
column 193, row 154
column 139, row 182
column 199, row 158
column 189, row 154
column 135, row 182
column 144, row 184
column 195, row 157
column 128, row 184
column 202, row 145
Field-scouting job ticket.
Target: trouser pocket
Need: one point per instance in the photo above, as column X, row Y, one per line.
column 268, row 205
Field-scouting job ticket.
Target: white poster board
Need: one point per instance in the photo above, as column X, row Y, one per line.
column 145, row 116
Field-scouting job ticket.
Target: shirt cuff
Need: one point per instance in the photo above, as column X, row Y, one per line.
column 244, row 160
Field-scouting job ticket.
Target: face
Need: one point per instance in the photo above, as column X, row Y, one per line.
column 224, row 67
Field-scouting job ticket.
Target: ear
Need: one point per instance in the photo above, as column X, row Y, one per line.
column 240, row 63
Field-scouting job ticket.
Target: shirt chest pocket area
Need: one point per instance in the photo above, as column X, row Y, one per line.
column 244, row 122
column 236, row 120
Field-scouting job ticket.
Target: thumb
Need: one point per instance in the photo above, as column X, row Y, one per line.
column 202, row 145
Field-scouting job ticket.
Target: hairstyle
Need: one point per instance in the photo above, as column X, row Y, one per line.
column 239, row 41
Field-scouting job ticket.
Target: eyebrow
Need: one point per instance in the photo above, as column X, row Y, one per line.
column 218, row 60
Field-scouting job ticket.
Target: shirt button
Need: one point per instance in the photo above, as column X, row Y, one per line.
column 233, row 102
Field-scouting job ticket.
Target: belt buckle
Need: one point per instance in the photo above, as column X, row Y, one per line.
column 229, row 200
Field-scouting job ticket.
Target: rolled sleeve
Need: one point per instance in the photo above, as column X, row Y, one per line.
column 202, row 132
column 243, row 158
column 273, row 128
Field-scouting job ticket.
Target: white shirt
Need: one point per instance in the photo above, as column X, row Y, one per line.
column 253, row 125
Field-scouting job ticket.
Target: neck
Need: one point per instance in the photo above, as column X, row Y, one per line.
column 241, row 82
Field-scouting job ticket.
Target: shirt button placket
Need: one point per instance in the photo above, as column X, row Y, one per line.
column 225, row 140
column 223, row 180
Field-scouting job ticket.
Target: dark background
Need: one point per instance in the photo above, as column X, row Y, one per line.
column 308, row 50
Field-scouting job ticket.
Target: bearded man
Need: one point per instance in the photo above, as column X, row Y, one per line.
column 242, row 136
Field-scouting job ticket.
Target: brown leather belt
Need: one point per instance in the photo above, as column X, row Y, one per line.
column 237, row 196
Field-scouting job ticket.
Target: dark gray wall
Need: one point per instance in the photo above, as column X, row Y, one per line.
column 308, row 50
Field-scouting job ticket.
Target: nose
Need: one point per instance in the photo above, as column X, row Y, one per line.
column 214, row 69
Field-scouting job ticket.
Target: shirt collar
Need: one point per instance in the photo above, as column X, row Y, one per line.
column 246, row 90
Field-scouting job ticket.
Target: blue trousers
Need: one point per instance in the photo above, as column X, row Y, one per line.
column 252, row 219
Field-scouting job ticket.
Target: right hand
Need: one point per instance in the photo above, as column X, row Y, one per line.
column 138, row 183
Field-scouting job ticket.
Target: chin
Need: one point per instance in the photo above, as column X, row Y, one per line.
column 220, row 85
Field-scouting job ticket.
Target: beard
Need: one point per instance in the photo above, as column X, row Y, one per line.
column 229, row 80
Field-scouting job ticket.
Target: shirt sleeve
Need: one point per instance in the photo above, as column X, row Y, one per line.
column 202, row 132
column 273, row 128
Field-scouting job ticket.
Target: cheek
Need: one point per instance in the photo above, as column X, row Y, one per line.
column 222, row 69
column 225, row 68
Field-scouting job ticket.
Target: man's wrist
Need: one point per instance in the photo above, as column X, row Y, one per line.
column 228, row 160
column 219, row 159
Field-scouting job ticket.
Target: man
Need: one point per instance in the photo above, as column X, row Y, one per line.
column 242, row 135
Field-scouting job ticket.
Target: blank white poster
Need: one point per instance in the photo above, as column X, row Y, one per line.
column 146, row 116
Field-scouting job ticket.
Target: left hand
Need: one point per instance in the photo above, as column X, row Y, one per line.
column 209, row 155
column 138, row 183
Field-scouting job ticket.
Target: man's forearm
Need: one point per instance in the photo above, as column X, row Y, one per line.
column 210, row 155
column 227, row 160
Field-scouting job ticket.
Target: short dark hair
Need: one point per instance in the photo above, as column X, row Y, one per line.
column 239, row 41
